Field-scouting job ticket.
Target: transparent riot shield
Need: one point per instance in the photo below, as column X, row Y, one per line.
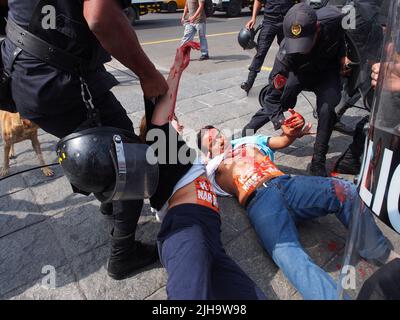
column 379, row 181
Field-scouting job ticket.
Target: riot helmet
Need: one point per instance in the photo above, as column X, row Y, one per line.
column 110, row 163
column 246, row 38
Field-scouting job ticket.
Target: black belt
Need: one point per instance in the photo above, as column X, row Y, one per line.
column 46, row 52
column 251, row 197
column 253, row 194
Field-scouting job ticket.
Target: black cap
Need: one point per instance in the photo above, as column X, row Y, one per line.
column 299, row 28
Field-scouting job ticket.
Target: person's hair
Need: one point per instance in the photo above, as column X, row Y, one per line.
column 201, row 132
column 143, row 129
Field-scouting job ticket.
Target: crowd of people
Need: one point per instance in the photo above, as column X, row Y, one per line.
column 312, row 56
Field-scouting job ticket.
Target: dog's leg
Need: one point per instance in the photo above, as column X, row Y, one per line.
column 4, row 171
column 36, row 146
column 12, row 152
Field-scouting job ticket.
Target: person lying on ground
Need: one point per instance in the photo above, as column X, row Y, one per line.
column 275, row 202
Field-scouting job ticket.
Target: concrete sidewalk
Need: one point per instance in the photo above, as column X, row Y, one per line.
column 43, row 224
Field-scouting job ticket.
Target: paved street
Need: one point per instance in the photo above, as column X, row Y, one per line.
column 160, row 34
column 43, row 224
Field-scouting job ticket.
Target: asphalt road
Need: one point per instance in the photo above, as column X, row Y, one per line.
column 160, row 34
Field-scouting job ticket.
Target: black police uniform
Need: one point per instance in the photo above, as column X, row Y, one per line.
column 317, row 71
column 52, row 98
column 274, row 12
column 368, row 37
column 384, row 284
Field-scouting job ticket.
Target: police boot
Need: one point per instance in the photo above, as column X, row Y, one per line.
column 248, row 84
column 317, row 167
column 343, row 128
column 348, row 163
column 129, row 256
column 340, row 126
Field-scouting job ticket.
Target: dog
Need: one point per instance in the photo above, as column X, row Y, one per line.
column 15, row 129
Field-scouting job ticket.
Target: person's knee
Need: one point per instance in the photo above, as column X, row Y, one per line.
column 344, row 190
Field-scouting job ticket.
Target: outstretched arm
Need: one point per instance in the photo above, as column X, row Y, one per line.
column 165, row 106
column 291, row 130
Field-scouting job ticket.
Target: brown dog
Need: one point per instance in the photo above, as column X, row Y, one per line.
column 14, row 129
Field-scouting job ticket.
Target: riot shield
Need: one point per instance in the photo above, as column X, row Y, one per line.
column 379, row 182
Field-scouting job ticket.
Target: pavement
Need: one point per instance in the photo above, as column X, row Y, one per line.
column 47, row 230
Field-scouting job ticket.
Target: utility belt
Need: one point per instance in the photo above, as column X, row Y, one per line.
column 50, row 54
column 275, row 17
column 46, row 52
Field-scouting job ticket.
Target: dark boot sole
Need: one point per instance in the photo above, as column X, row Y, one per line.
column 316, row 173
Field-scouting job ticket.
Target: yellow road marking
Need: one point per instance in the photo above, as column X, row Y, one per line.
column 179, row 39
column 264, row 68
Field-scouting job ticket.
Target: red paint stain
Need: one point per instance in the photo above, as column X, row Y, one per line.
column 338, row 266
column 340, row 191
column 332, row 246
column 362, row 273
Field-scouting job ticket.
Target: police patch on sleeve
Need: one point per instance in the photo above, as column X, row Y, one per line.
column 279, row 81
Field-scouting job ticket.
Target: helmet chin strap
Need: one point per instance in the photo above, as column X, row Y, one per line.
column 121, row 167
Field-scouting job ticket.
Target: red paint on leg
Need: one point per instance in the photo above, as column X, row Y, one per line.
column 340, row 191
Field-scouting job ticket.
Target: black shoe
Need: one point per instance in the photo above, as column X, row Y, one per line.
column 248, row 84
column 129, row 256
column 318, row 169
column 348, row 164
column 245, row 86
column 204, row 57
column 342, row 128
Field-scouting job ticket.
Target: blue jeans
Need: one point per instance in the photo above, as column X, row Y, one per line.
column 286, row 200
column 191, row 30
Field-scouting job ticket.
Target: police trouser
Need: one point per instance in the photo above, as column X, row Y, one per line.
column 126, row 213
column 326, row 86
column 272, row 26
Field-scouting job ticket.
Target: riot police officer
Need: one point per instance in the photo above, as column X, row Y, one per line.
column 60, row 83
column 274, row 12
column 310, row 57
column 368, row 36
